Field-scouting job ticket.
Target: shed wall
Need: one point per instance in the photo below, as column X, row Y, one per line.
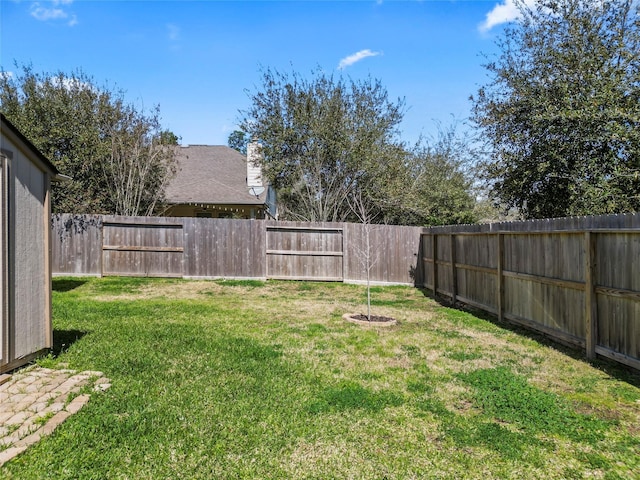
column 26, row 271
column 29, row 258
column 4, row 267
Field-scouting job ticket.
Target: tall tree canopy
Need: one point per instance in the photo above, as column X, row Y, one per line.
column 119, row 158
column 562, row 110
column 331, row 143
column 323, row 139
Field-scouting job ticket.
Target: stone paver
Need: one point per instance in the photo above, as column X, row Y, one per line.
column 35, row 400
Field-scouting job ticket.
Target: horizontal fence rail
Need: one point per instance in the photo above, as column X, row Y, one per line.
column 576, row 280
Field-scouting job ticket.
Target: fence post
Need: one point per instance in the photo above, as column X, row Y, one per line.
column 345, row 229
column 101, row 240
column 590, row 298
column 434, row 256
column 265, row 258
column 454, row 277
column 500, row 268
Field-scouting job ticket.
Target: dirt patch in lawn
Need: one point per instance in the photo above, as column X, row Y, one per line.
column 371, row 321
column 179, row 290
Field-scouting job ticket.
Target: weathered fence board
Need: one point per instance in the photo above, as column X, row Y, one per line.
column 224, row 248
column 138, row 247
column 577, row 279
column 617, row 280
column 300, row 251
column 393, row 256
column 76, row 244
column 228, row 248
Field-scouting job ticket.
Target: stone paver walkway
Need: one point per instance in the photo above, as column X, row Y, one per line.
column 35, row 400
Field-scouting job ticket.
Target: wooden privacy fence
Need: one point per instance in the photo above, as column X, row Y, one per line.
column 576, row 280
column 228, row 248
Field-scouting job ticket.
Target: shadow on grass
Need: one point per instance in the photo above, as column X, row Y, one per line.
column 63, row 339
column 66, row 284
column 617, row 370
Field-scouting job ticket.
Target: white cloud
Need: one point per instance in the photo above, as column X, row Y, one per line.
column 71, row 84
column 504, row 12
column 356, row 57
column 44, row 13
column 174, row 32
column 53, row 10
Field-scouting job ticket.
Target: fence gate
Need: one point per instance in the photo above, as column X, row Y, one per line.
column 305, row 253
column 140, row 249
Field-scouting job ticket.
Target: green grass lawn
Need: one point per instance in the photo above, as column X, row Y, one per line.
column 266, row 380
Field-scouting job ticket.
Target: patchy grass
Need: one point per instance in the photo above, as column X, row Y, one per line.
column 43, row 419
column 246, row 379
column 241, row 283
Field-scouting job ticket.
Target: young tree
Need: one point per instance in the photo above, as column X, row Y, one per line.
column 95, row 137
column 562, row 111
column 366, row 214
column 321, row 138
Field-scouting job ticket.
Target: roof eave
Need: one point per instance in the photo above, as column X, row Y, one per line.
column 27, row 143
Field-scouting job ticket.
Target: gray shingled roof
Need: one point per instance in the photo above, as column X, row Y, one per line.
column 212, row 174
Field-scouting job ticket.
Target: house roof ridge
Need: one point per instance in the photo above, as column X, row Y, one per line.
column 204, row 145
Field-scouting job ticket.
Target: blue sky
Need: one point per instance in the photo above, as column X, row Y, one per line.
column 196, row 59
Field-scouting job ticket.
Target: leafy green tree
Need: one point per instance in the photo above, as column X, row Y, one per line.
column 436, row 186
column 167, row 137
column 323, row 140
column 561, row 113
column 238, row 140
column 140, row 163
column 118, row 157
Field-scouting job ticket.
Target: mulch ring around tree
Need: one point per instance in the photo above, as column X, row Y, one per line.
column 375, row 320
